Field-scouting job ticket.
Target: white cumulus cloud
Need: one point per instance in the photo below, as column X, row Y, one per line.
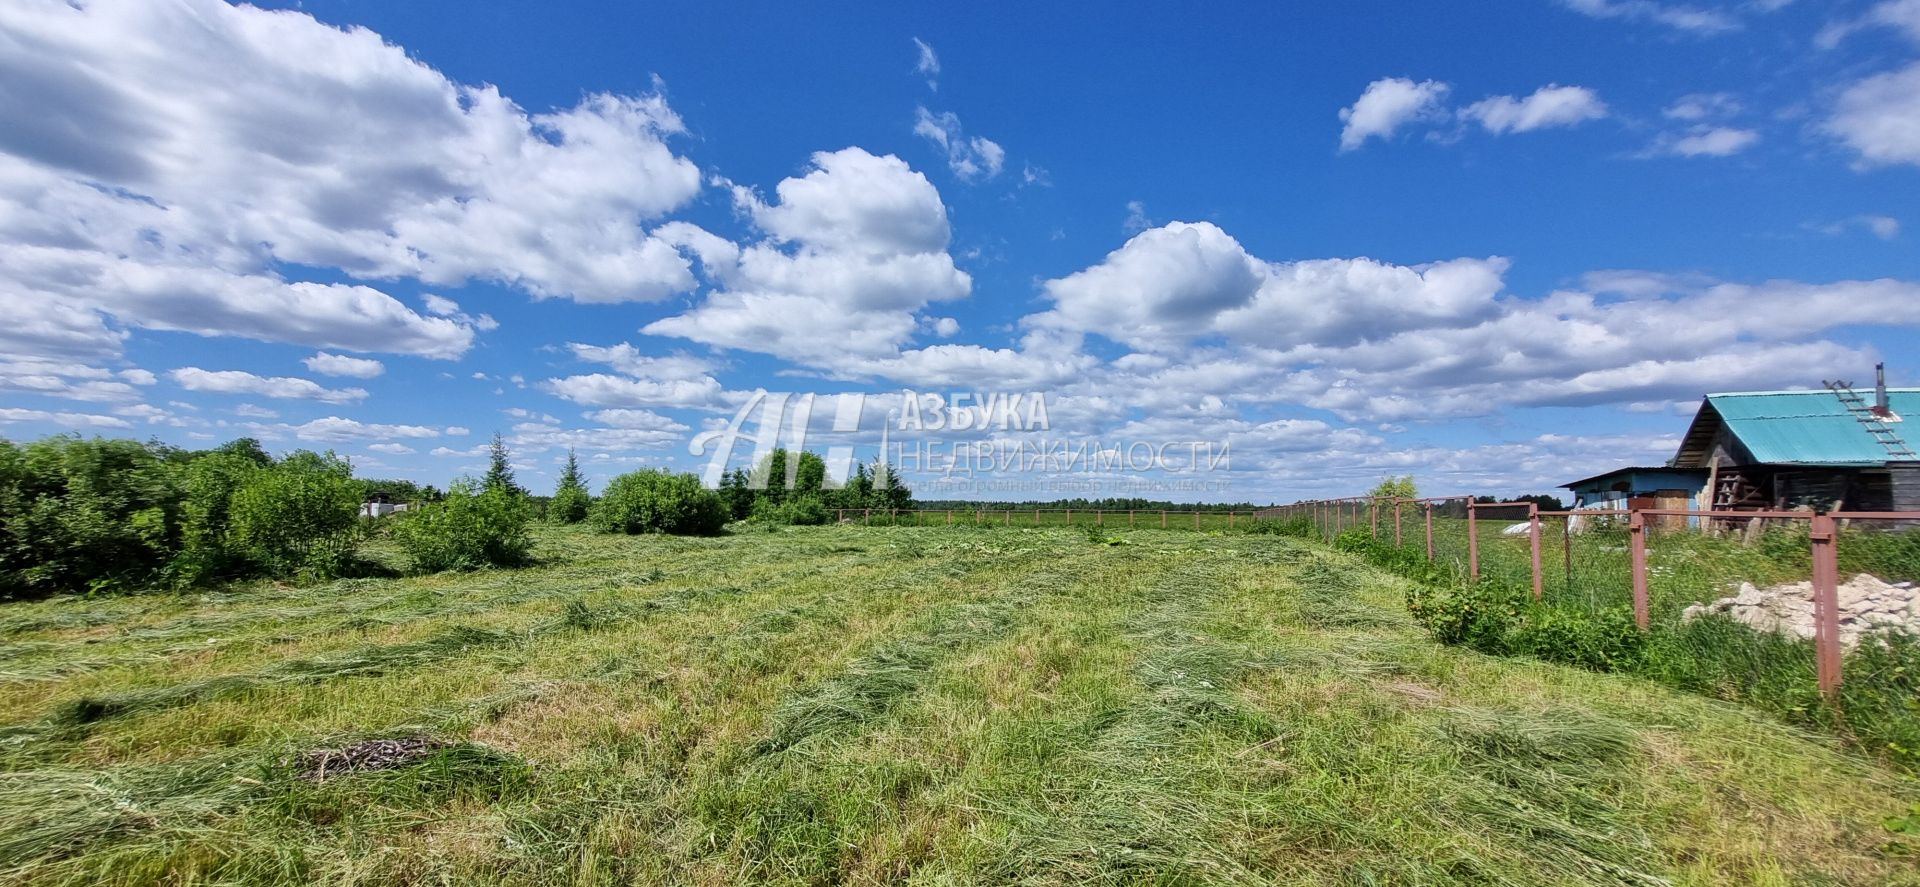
column 239, row 382
column 1388, row 104
column 853, row 250
column 1879, row 117
column 342, row 365
column 162, row 162
column 1549, row 106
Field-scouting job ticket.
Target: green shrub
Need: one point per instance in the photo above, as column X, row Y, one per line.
column 650, row 501
column 569, row 505
column 207, row 551
column 467, row 530
column 298, row 518
column 1607, row 640
column 85, row 514
column 1478, row 616
column 796, row 510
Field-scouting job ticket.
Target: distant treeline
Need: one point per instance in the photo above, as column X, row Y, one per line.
column 101, row 515
column 1087, row 505
column 765, row 495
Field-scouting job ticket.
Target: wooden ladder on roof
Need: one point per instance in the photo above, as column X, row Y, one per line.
column 1877, row 427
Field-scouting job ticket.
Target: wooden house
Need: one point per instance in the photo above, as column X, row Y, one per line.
column 1827, row 449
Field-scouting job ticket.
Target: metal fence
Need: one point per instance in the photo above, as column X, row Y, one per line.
column 1776, row 570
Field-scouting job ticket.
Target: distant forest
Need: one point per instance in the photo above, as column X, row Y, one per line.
column 1085, row 505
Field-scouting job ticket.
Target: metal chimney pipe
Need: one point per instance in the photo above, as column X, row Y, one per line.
column 1880, row 405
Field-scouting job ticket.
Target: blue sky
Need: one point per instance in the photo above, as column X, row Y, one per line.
column 1498, row 247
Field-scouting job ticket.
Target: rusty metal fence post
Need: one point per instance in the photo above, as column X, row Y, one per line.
column 1396, row 523
column 1533, row 542
column 1429, row 532
column 1566, row 547
column 1473, row 541
column 1826, row 602
column 1637, row 542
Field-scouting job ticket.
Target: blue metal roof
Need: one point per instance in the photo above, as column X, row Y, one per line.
column 1639, row 479
column 1812, row 427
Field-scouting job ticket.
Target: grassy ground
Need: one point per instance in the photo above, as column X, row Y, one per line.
column 884, row 705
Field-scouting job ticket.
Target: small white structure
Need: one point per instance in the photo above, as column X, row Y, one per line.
column 378, row 506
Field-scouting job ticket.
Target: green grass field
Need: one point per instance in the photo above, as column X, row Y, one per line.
column 887, row 705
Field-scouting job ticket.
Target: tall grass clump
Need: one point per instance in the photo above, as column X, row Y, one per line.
column 471, row 528
column 650, row 501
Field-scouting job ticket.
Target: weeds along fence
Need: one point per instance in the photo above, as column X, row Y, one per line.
column 1049, row 517
column 1798, row 573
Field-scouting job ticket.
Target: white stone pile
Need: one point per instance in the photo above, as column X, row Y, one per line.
column 1866, row 605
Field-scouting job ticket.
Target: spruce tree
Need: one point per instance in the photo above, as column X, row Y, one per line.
column 500, row 467
column 571, row 499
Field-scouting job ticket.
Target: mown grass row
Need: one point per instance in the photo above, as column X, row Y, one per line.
column 879, row 705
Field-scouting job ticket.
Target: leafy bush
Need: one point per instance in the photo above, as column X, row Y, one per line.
column 298, row 518
column 1607, row 640
column 650, row 501
column 85, row 514
column 207, row 550
column 467, row 530
column 569, row 505
column 797, row 510
column 1478, row 616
